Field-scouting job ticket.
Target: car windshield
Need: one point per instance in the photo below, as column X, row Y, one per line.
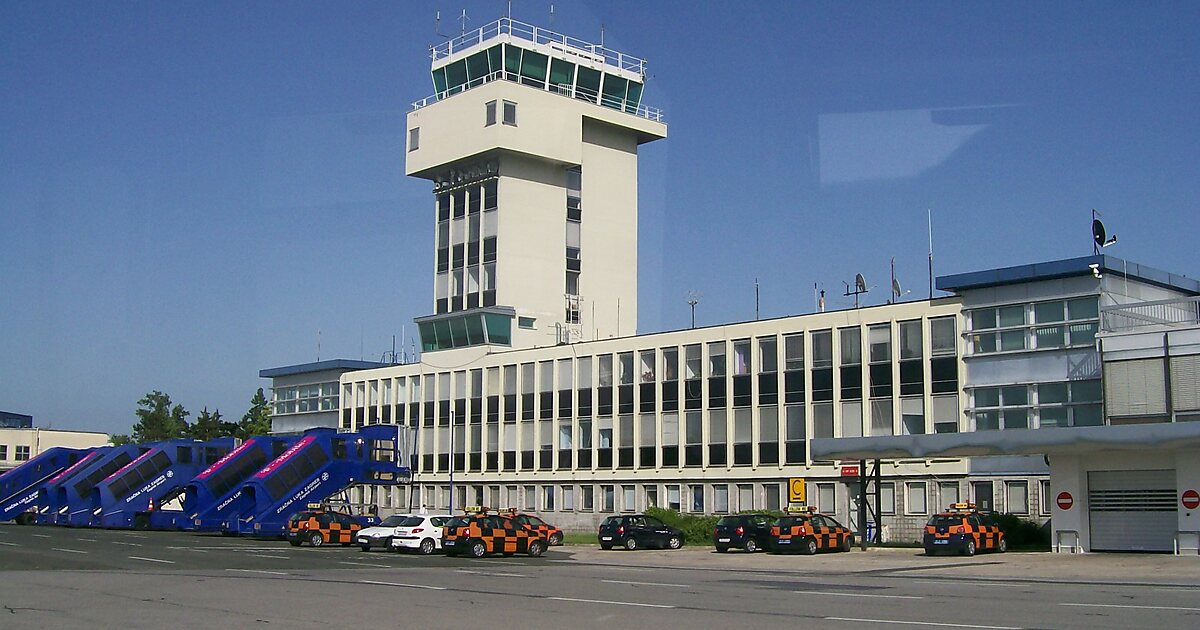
column 610, row 521
column 394, row 520
column 943, row 520
column 411, row 521
column 457, row 521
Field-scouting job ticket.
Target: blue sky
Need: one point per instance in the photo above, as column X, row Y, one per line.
column 189, row 192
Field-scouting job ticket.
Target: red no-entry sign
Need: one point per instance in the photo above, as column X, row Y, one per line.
column 1190, row 499
column 1065, row 500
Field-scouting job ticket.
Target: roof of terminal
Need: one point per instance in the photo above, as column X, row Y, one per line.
column 1063, row 269
column 320, row 366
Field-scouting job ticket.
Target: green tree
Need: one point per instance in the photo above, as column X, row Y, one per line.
column 208, row 426
column 158, row 419
column 119, row 439
column 257, row 420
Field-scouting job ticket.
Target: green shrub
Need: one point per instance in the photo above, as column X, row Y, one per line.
column 1023, row 533
column 697, row 530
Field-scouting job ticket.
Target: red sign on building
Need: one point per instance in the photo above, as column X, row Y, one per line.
column 849, row 471
column 1191, row 499
column 1065, row 500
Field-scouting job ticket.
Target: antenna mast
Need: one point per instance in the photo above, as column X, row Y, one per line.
column 929, row 220
column 693, row 298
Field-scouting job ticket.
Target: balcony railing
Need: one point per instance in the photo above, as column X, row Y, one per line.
column 531, row 33
column 583, row 94
column 1173, row 313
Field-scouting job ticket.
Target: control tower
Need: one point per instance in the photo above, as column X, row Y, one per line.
column 531, row 141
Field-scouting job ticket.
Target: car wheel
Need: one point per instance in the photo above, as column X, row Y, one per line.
column 556, row 540
column 674, row 542
column 606, row 546
column 478, row 549
column 365, row 547
column 427, row 547
column 536, row 548
column 1002, row 546
column 631, row 543
column 810, row 546
column 751, row 545
column 847, row 543
column 25, row 518
column 969, row 550
column 721, row 549
column 316, row 539
column 295, row 542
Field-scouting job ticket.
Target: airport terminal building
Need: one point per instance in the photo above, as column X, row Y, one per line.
column 535, row 391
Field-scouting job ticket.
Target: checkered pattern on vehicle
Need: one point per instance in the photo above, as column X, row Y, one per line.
column 510, row 537
column 826, row 537
column 335, row 532
column 986, row 537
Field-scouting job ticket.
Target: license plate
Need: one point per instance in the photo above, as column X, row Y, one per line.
column 941, row 542
column 606, row 538
column 784, row 542
column 722, row 540
column 447, row 543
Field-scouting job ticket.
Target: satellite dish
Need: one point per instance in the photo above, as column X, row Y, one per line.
column 860, row 283
column 1098, row 233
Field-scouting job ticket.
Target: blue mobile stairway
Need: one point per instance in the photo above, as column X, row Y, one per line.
column 71, row 490
column 321, row 464
column 19, row 486
column 216, row 493
column 135, row 495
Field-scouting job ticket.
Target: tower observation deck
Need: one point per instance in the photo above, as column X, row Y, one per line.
column 530, row 140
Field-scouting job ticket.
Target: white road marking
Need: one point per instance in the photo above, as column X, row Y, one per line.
column 88, row 539
column 134, row 535
column 40, row 535
column 922, row 623
column 858, row 595
column 10, row 544
column 645, row 583
column 127, row 544
column 508, row 562
column 259, row 555
column 67, row 550
column 970, row 582
column 198, row 550
column 257, row 571
column 604, row 601
column 361, row 564
column 151, row 559
column 492, row 574
column 1133, row 606
column 425, row 586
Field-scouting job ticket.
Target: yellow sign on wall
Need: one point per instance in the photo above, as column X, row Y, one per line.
column 797, row 493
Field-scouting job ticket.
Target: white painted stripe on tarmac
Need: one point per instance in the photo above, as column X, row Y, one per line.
column 609, row 602
column 257, row 571
column 1184, row 608
column 646, row 583
column 88, row 539
column 858, row 595
column 127, row 544
column 922, row 623
column 360, row 564
column 10, row 544
column 67, row 550
column 424, row 586
column 151, row 559
column 40, row 535
column 265, row 557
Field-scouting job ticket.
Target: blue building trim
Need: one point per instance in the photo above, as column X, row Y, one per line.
column 1064, row 269
column 320, row 366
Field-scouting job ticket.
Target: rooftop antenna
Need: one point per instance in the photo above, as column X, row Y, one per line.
column 509, row 13
column 551, row 13
column 463, row 18
column 929, row 220
column 437, row 26
column 602, row 34
column 1099, row 235
column 693, row 298
column 860, row 287
column 756, row 299
column 318, row 345
column 821, row 304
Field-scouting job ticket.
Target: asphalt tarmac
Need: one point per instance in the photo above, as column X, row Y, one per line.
column 58, row 578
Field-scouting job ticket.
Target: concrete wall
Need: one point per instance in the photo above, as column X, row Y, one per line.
column 39, row 440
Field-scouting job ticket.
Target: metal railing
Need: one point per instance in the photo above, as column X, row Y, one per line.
column 1067, row 539
column 1173, row 313
column 536, row 35
column 1181, row 547
column 583, row 94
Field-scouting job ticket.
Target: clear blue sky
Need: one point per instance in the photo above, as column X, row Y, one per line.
column 189, row 191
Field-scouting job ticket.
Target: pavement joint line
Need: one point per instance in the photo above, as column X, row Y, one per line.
column 151, row 559
column 492, row 573
column 922, row 623
column 117, row 542
column 605, row 601
column 67, row 550
column 858, row 595
column 1142, row 607
column 258, row 571
column 424, row 586
column 259, row 555
column 646, row 583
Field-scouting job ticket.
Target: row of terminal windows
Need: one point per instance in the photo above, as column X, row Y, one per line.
column 709, row 363
column 1063, row 404
column 1039, row 325
column 306, row 398
column 20, row 453
column 896, row 497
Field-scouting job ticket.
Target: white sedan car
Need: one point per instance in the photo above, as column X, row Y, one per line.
column 381, row 535
column 422, row 532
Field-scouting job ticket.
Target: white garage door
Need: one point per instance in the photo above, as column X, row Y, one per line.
column 1132, row 510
